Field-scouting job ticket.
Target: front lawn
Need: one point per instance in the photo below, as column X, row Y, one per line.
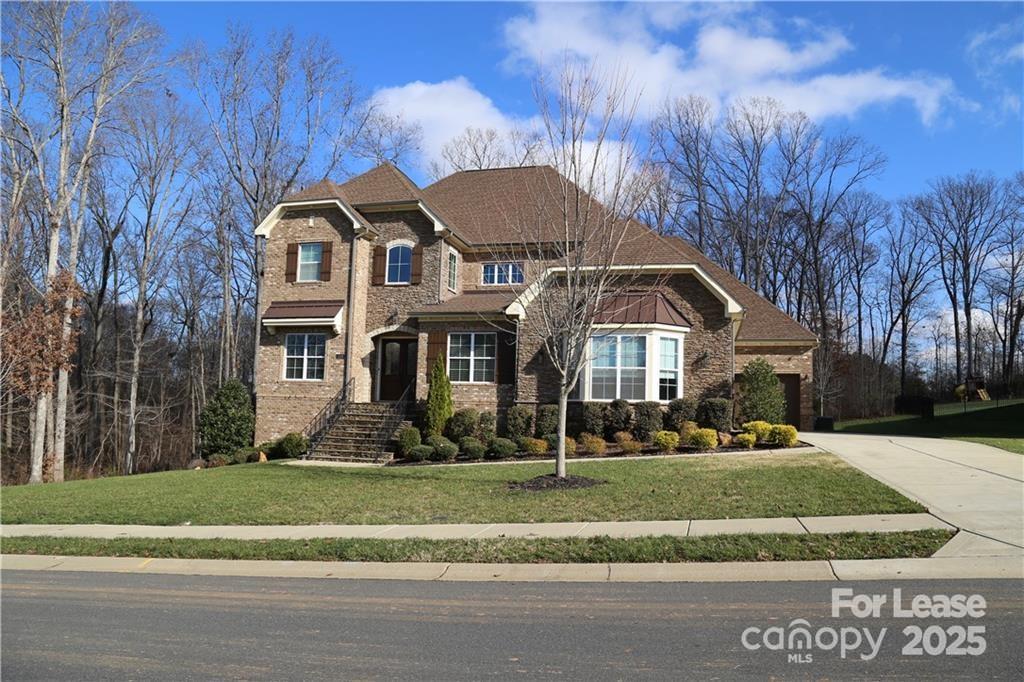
column 733, row 486
column 653, row 549
column 1001, row 427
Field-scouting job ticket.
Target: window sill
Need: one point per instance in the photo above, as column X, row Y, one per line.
column 398, row 284
column 474, row 383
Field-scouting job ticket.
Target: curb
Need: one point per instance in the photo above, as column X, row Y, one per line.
column 819, row 571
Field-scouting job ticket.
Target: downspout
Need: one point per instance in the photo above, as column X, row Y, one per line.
column 348, row 314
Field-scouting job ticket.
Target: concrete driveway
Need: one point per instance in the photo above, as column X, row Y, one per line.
column 977, row 488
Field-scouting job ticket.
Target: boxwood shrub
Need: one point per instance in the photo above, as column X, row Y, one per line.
column 501, row 447
column 464, row 422
column 547, row 420
column 618, row 416
column 647, row 420
column 472, row 447
column 715, row 413
column 518, row 422
column 680, row 410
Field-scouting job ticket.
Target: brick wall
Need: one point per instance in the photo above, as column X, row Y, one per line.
column 492, row 397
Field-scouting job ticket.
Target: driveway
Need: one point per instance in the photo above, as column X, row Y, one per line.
column 975, row 487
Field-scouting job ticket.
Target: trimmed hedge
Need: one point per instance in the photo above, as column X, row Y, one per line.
column 647, row 420
column 227, row 422
column 761, row 430
column 487, row 428
column 291, row 445
column 444, row 449
column 408, row 438
column 464, row 422
column 501, row 447
column 547, row 420
column 592, row 418
column 703, row 439
column 472, row 447
column 666, row 441
column 420, row 453
column 760, row 393
column 715, row 413
column 618, row 415
column 680, row 410
column 518, row 422
column 783, row 435
column 745, row 440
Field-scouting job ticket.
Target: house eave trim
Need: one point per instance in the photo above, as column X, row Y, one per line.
column 267, row 225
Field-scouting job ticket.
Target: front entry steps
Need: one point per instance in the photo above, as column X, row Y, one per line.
column 356, row 435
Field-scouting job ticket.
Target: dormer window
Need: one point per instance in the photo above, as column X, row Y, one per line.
column 503, row 273
column 399, row 270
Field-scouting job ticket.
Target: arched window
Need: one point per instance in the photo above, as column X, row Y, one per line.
column 399, row 265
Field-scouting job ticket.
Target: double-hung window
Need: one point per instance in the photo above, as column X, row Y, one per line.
column 472, row 356
column 668, row 368
column 310, row 257
column 453, row 270
column 618, row 367
column 304, row 356
column 399, row 270
column 503, row 273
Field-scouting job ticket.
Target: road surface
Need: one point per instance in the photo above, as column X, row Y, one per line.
column 86, row 626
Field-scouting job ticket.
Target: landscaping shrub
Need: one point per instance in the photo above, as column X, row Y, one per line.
column 444, row 449
column 518, row 422
column 666, row 441
column 595, row 445
column 533, row 446
column 245, row 455
column 408, row 438
column 592, row 418
column 622, row 436
column 724, row 439
column 439, row 400
column 227, row 421
column 783, row 435
column 703, row 439
column 570, row 444
column 745, row 440
column 685, row 429
column 617, row 416
column 420, row 453
column 464, row 422
column 472, row 447
column 680, row 410
column 715, row 413
column 218, row 460
column 547, row 420
column 486, row 430
column 290, row 445
column 760, row 393
column 630, row 446
column 501, row 447
column 647, row 420
column 760, row 430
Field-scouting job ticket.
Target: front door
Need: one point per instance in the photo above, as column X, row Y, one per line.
column 397, row 367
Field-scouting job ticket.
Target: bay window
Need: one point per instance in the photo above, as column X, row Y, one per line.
column 668, row 368
column 638, row 365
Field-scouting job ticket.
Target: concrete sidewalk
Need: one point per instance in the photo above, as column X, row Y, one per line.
column 766, row 571
column 616, row 529
column 975, row 487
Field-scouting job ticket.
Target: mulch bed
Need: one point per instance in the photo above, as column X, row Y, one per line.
column 552, row 482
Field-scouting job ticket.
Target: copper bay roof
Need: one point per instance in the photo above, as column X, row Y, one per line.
column 279, row 310
column 640, row 308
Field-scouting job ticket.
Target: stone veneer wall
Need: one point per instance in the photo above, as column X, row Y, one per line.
column 786, row 360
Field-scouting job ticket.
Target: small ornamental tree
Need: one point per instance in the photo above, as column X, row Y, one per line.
column 761, row 397
column 227, row 421
column 439, row 400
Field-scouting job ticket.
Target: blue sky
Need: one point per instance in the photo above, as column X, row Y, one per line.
column 937, row 86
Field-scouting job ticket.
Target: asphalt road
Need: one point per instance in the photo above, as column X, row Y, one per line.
column 86, row 626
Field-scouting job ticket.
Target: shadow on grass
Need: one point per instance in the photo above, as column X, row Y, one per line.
column 996, row 422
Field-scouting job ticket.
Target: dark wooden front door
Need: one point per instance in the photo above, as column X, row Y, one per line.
column 397, row 367
column 791, row 389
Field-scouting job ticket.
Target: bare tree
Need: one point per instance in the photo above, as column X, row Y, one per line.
column 910, row 262
column 70, row 64
column 479, row 148
column 964, row 217
column 574, row 227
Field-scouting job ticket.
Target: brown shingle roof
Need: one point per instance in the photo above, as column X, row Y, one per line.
column 381, row 184
column 315, row 309
column 471, row 302
column 640, row 308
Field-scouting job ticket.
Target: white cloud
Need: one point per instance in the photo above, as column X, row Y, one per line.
column 443, row 110
column 732, row 55
column 997, row 56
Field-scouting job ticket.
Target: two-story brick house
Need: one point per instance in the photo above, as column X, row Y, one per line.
column 367, row 282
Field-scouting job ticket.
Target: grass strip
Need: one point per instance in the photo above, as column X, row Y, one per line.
column 651, row 549
column 713, row 487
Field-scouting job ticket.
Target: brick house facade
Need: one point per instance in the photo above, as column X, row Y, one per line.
column 367, row 282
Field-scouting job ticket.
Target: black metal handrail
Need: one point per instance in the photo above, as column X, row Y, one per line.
column 392, row 417
column 328, row 414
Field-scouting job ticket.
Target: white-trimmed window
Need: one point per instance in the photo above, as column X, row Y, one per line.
column 310, row 257
column 399, row 270
column 668, row 368
column 618, row 367
column 502, row 273
column 304, row 356
column 453, row 270
column 472, row 357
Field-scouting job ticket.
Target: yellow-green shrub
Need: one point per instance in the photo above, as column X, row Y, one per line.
column 630, row 446
column 685, row 429
column 623, row 437
column 703, row 439
column 534, row 446
column 782, row 435
column 666, row 441
column 595, row 445
column 746, row 440
column 761, row 430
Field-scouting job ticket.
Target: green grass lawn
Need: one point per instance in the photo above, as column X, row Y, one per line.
column 519, row 550
column 1002, row 426
column 733, row 486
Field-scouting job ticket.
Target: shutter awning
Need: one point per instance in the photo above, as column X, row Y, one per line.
column 305, row 314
